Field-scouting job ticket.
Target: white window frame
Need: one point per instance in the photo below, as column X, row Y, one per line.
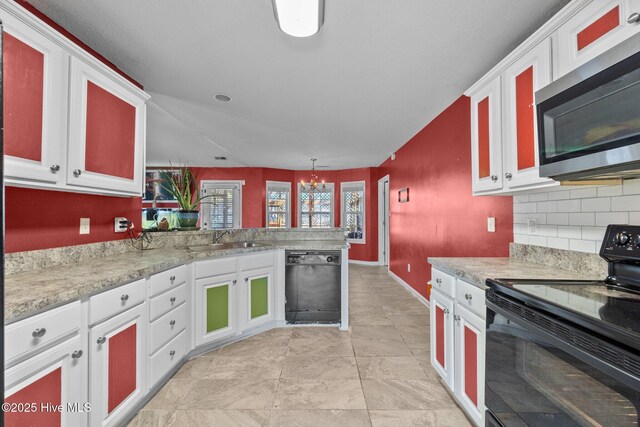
column 266, row 202
column 204, row 207
column 329, row 186
column 363, row 240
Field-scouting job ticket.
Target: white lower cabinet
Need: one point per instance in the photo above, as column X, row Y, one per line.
column 167, row 357
column 458, row 343
column 47, row 389
column 258, row 291
column 118, row 349
column 215, row 308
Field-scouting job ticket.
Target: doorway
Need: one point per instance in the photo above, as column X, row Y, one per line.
column 383, row 221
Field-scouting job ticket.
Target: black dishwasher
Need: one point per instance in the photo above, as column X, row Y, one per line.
column 312, row 287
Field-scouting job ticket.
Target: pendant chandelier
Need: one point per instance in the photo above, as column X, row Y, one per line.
column 313, row 181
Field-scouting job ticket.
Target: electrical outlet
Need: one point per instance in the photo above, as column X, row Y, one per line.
column 532, row 223
column 120, row 224
column 409, row 268
column 491, row 224
column 85, row 224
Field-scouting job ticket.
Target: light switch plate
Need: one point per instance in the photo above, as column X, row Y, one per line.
column 85, row 225
column 409, row 268
column 491, row 224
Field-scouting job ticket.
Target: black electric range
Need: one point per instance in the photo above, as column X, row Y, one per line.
column 564, row 352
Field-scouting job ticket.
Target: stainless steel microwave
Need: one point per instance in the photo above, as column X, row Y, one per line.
column 589, row 119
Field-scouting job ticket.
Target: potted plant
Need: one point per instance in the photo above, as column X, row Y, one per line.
column 181, row 184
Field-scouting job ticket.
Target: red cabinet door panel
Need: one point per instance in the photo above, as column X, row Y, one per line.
column 525, row 120
column 484, row 152
column 440, row 336
column 46, row 390
column 111, row 133
column 23, row 99
column 122, row 366
column 471, row 365
column 599, row 28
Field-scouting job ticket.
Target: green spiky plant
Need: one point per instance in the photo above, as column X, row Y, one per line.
column 182, row 185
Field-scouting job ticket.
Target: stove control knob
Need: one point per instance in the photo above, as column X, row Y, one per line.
column 329, row 259
column 622, row 238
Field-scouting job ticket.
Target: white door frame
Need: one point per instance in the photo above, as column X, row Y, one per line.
column 383, row 232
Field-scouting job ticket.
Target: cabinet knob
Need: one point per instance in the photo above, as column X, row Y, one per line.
column 172, row 353
column 246, row 279
column 446, row 311
column 101, row 340
column 173, row 300
column 456, row 317
column 77, row 172
column 172, row 323
column 54, row 168
column 508, row 175
column 124, row 297
column 494, row 178
column 39, row 333
column 438, row 280
column 172, row 278
column 234, row 281
column 634, row 18
column 468, row 297
column 76, row 354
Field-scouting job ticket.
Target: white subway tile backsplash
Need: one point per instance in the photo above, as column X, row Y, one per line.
column 557, row 218
column 558, row 243
column 524, row 207
column 631, row 186
column 521, row 198
column 547, row 230
column 521, row 238
column 546, row 206
column 582, row 245
column 598, row 204
column 537, row 240
column 584, row 193
column 625, row 203
column 634, row 218
column 538, row 197
column 604, row 219
column 559, row 195
column 614, row 190
column 588, row 219
column 569, row 206
column 593, row 233
column 521, row 218
column 570, row 232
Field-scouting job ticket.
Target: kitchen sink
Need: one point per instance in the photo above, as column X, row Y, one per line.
column 222, row 246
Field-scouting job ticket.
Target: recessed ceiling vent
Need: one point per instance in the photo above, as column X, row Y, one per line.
column 223, row 98
column 220, row 158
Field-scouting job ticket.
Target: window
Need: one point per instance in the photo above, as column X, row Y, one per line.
column 352, row 217
column 222, row 207
column 315, row 208
column 278, row 204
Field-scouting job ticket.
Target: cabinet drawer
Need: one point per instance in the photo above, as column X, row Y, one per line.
column 443, row 282
column 216, row 267
column 167, row 279
column 163, row 303
column 167, row 357
column 167, row 327
column 110, row 303
column 36, row 332
column 251, row 262
column 471, row 297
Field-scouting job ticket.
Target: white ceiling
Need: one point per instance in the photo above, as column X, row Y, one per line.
column 376, row 73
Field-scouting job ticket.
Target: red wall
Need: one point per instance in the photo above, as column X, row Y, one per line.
column 442, row 218
column 41, row 219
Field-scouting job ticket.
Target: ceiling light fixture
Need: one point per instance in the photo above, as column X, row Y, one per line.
column 313, row 182
column 223, row 98
column 299, row 18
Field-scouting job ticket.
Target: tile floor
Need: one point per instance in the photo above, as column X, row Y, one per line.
column 376, row 374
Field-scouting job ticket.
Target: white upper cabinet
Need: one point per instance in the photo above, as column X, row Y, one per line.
column 520, row 81
column 597, row 27
column 71, row 122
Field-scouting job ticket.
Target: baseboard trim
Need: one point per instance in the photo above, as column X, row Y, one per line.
column 355, row 261
column 409, row 288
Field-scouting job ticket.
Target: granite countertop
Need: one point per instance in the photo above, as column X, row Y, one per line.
column 476, row 270
column 30, row 292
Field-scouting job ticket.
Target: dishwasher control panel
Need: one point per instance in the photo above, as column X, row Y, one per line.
column 313, row 258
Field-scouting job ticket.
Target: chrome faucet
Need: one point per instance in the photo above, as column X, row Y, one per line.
column 219, row 234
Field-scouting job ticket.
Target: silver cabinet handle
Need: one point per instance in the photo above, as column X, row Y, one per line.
column 246, row 279
column 634, row 18
column 172, row 323
column 234, row 281
column 77, row 172
column 494, row 178
column 172, row 279
column 173, row 300
column 456, row 317
column 172, row 353
column 76, row 354
column 101, row 340
column 446, row 311
column 438, row 280
column 54, row 168
column 468, row 297
column 124, row 297
column 39, row 333
column 508, row 175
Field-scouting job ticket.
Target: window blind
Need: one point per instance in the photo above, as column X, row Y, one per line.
column 221, row 205
column 278, row 205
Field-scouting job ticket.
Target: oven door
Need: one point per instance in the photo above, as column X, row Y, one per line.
column 538, row 374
